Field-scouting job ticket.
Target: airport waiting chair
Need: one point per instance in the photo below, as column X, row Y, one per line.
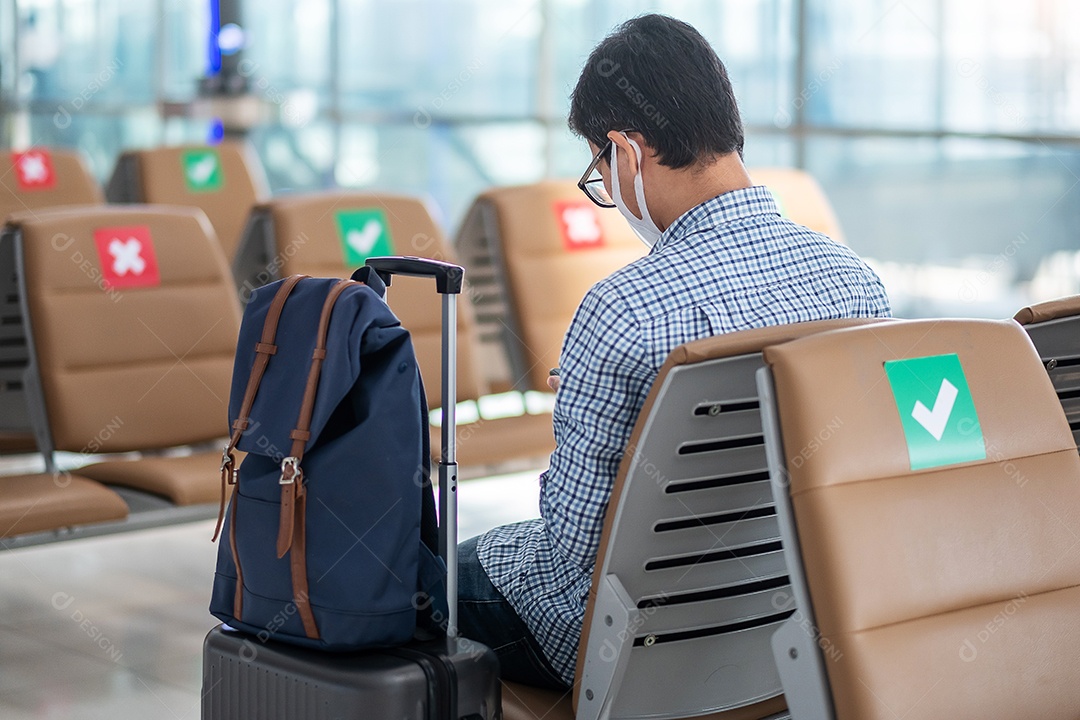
column 928, row 491
column 42, row 177
column 223, row 180
column 332, row 234
column 1054, row 328
column 36, row 178
column 689, row 583
column 130, row 316
column 532, row 252
column 800, row 199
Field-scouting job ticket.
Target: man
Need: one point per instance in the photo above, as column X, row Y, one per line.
column 657, row 109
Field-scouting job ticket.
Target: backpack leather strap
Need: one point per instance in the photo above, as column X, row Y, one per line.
column 238, row 595
column 263, row 350
column 291, row 527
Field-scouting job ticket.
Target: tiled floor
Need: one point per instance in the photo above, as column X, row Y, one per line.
column 112, row 627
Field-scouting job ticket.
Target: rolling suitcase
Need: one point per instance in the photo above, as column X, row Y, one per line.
column 445, row 678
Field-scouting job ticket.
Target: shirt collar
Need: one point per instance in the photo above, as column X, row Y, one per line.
column 722, row 209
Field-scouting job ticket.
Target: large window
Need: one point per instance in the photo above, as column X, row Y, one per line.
column 946, row 134
column 944, row 131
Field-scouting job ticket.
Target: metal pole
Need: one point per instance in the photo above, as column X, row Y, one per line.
column 448, row 459
column 545, row 84
column 335, row 80
column 160, row 59
column 9, row 75
column 940, row 65
column 799, row 125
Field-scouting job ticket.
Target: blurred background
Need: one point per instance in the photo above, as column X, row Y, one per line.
column 946, row 133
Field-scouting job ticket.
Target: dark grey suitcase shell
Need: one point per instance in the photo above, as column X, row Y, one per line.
column 244, row 679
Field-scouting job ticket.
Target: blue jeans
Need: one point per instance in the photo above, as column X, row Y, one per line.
column 485, row 615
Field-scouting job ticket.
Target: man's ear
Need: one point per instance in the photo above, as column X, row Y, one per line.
column 626, row 150
column 629, row 168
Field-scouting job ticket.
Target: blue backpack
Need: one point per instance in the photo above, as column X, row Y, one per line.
column 331, row 531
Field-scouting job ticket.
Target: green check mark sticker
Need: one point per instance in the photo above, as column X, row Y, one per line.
column 936, row 410
column 363, row 234
column 202, row 170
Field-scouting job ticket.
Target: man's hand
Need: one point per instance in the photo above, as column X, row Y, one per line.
column 553, row 379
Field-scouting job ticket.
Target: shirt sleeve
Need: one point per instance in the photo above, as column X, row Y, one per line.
column 604, row 379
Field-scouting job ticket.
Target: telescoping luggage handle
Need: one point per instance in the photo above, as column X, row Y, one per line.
column 448, row 281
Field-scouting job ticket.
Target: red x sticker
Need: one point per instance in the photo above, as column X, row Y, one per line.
column 33, row 170
column 127, row 256
column 580, row 225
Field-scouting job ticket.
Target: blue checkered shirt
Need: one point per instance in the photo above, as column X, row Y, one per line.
column 729, row 264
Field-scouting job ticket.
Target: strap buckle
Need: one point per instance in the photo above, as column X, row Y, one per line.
column 290, row 463
column 227, row 460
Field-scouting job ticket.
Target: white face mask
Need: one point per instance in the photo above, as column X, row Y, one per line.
column 644, row 226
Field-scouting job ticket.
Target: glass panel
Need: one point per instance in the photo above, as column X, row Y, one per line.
column 100, row 137
column 872, row 64
column 438, row 58
column 768, row 150
column 570, row 154
column 288, row 48
column 450, row 97
column 295, row 159
column 962, row 226
column 74, row 52
column 184, row 54
column 1013, row 67
column 468, row 159
column 449, row 164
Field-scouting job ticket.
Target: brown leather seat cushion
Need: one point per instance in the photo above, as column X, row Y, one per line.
column 14, row 442
column 161, row 171
column 546, row 280
column 186, row 480
column 698, row 351
column 73, row 185
column 307, row 241
column 136, row 368
column 522, row 702
column 1049, row 310
column 34, row 503
column 491, row 442
column 941, row 590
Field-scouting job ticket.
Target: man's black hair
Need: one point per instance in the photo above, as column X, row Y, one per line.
column 658, row 76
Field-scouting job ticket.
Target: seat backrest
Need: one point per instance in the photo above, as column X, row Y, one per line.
column 690, row 569
column 929, row 500
column 332, row 234
column 46, row 177
column 223, row 180
column 36, row 178
column 1054, row 328
column 132, row 319
column 534, row 251
column 800, row 198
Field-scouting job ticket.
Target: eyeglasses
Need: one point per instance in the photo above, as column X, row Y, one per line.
column 594, row 187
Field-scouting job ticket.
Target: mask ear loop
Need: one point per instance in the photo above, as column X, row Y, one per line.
column 616, row 189
column 616, row 184
column 643, row 226
column 639, row 184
